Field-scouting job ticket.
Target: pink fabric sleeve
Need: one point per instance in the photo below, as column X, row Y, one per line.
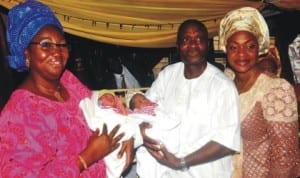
column 280, row 109
column 42, row 138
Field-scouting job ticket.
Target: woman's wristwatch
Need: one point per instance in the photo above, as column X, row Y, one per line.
column 183, row 164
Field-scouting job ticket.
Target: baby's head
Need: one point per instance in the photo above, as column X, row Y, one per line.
column 106, row 98
column 139, row 101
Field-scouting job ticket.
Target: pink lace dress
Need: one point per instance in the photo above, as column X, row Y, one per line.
column 269, row 130
column 42, row 138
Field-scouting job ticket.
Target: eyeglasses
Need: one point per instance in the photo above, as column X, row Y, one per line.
column 49, row 46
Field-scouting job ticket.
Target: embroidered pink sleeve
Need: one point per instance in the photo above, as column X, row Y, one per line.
column 280, row 109
column 42, row 138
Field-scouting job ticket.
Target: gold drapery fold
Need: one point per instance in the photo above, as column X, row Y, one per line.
column 287, row 4
column 137, row 23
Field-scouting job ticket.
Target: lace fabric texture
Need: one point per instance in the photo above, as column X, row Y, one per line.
column 269, row 130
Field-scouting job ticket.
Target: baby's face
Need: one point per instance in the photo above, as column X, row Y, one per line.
column 108, row 100
column 139, row 101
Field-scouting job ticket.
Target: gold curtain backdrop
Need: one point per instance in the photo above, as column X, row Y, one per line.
column 138, row 23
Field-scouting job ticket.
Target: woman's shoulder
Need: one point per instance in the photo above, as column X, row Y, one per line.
column 275, row 87
column 74, row 85
column 273, row 81
column 269, row 87
column 279, row 101
column 20, row 101
column 69, row 78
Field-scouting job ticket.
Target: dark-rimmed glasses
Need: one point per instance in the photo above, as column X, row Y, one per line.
column 49, row 46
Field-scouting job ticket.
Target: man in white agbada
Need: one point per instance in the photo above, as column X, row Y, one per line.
column 206, row 103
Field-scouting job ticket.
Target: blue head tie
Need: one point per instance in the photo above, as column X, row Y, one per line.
column 23, row 23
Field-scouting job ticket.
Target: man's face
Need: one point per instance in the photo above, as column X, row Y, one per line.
column 193, row 45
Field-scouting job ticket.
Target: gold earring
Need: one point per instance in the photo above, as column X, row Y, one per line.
column 27, row 63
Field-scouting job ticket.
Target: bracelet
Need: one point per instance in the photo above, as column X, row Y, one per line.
column 82, row 162
column 183, row 164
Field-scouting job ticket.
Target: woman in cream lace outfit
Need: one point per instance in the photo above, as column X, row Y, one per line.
column 268, row 106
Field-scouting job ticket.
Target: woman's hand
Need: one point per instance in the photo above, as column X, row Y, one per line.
column 101, row 144
column 158, row 150
column 127, row 148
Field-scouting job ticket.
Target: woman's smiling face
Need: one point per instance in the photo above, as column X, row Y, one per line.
column 242, row 51
column 47, row 53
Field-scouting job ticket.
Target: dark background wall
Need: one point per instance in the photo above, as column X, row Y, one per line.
column 285, row 27
column 88, row 60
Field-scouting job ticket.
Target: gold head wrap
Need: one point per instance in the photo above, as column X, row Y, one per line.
column 245, row 19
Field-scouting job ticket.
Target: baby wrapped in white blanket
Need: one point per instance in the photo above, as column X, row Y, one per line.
column 163, row 129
